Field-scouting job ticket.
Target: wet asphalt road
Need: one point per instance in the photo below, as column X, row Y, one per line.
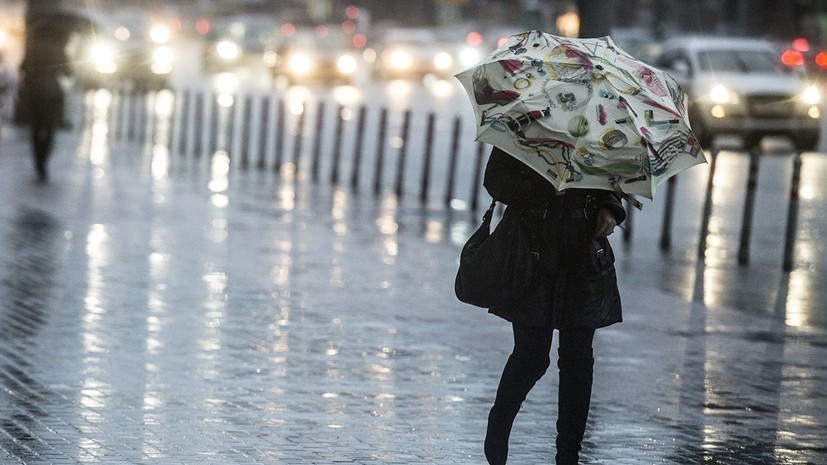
column 162, row 309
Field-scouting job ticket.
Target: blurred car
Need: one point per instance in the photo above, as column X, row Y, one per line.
column 740, row 87
column 411, row 53
column 317, row 55
column 134, row 51
column 236, row 42
column 638, row 42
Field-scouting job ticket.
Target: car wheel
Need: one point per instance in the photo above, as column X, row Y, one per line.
column 806, row 141
column 752, row 140
column 702, row 134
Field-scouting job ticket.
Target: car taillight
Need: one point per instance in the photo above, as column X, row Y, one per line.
column 473, row 39
column 801, row 45
column 821, row 59
column 792, row 58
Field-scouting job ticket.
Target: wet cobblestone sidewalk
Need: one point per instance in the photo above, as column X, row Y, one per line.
column 184, row 314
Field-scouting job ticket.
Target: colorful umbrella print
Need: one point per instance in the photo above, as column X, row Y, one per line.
column 583, row 113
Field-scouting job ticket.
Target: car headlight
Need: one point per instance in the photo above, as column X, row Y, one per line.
column 721, row 95
column 228, row 50
column 811, row 95
column 469, row 56
column 443, row 61
column 400, row 59
column 162, row 59
column 346, row 64
column 102, row 57
column 300, row 63
column 160, row 34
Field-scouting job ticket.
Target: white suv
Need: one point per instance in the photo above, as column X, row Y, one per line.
column 740, row 87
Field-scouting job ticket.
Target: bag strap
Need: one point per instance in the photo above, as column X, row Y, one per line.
column 486, row 217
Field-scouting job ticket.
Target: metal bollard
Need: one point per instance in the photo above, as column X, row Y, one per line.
column 452, row 163
column 280, row 113
column 215, row 124
column 710, row 184
column 115, row 117
column 666, row 229
column 628, row 224
column 357, row 149
column 299, row 138
column 230, row 123
column 172, row 122
column 749, row 206
column 403, row 155
column 337, row 146
column 264, row 123
column 475, row 186
column 426, row 168
column 792, row 214
column 131, row 120
column 245, row 131
column 198, row 125
column 143, row 116
column 380, row 151
column 183, row 129
column 317, row 142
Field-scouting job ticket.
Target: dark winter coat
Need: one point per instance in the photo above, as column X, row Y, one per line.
column 576, row 286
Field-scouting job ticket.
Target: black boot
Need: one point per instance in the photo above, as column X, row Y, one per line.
column 574, row 397
column 500, row 421
column 519, row 376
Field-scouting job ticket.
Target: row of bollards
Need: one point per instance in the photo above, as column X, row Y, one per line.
column 748, row 212
column 198, row 118
column 200, row 123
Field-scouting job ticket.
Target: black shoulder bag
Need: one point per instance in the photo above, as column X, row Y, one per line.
column 497, row 268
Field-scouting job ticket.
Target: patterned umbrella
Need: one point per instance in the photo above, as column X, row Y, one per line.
column 583, row 113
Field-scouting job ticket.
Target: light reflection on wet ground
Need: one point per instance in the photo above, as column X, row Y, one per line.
column 187, row 309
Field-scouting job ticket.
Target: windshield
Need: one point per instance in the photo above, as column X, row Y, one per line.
column 740, row 61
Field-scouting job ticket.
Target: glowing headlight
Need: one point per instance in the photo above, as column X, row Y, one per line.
column 443, row 61
column 811, row 95
column 270, row 58
column 400, row 59
column 102, row 57
column 160, row 34
column 721, row 95
column 300, row 63
column 469, row 56
column 228, row 50
column 162, row 59
column 346, row 64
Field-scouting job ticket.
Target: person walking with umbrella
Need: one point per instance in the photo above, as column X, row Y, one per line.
column 569, row 223
column 576, row 125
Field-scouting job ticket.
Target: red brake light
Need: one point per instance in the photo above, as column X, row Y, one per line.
column 821, row 59
column 801, row 44
column 202, row 26
column 792, row 58
column 288, row 29
column 474, row 39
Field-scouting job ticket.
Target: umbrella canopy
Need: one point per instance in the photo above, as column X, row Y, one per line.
column 583, row 113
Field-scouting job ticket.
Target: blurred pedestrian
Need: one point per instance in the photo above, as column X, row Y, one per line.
column 575, row 294
column 44, row 64
column 7, row 88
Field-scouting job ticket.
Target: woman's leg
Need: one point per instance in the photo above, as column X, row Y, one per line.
column 576, row 362
column 527, row 364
